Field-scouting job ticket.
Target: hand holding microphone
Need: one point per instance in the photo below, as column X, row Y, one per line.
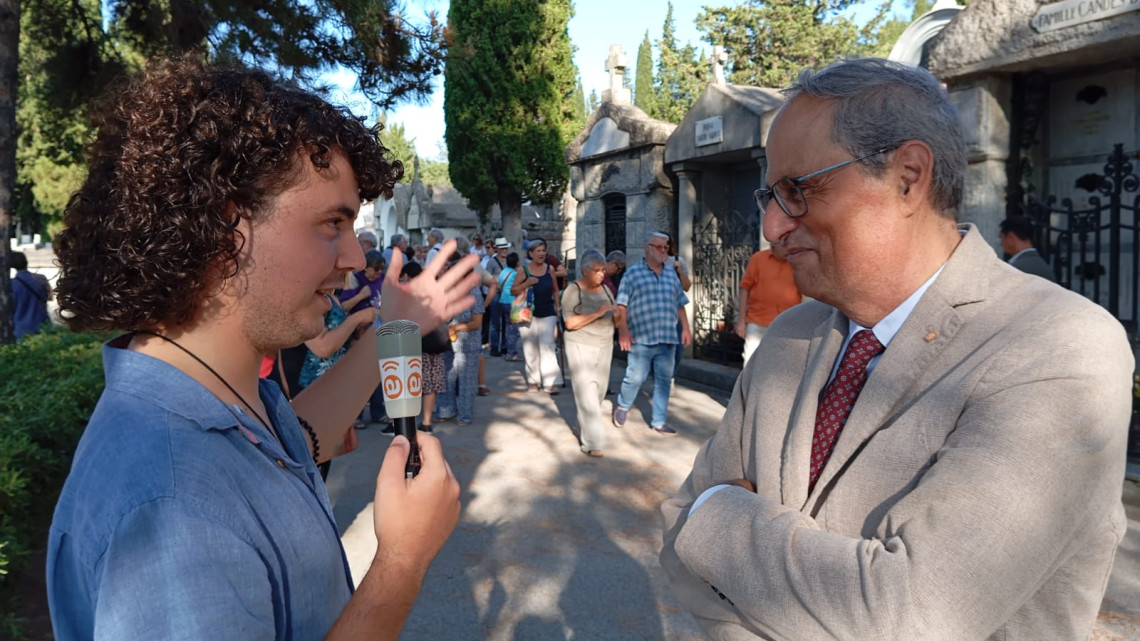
column 399, row 350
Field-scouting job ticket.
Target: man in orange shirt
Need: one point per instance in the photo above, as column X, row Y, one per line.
column 766, row 290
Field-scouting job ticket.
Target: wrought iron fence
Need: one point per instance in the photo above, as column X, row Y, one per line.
column 1093, row 249
column 721, row 249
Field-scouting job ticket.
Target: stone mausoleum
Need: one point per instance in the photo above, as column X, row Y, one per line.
column 1047, row 92
column 617, row 173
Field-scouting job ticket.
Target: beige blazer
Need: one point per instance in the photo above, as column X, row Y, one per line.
column 975, row 492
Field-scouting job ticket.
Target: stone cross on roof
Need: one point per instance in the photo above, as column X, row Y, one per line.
column 719, row 57
column 616, row 65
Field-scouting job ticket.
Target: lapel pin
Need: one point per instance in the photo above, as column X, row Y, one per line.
column 930, row 336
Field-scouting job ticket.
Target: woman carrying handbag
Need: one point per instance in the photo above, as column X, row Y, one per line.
column 538, row 336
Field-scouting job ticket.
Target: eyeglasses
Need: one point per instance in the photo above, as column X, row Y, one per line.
column 788, row 194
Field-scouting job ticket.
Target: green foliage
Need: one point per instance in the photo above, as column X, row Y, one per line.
column 644, row 95
column 507, row 104
column 61, row 69
column 578, row 108
column 69, row 54
column 394, row 137
column 682, row 74
column 49, row 383
column 769, row 41
column 434, row 172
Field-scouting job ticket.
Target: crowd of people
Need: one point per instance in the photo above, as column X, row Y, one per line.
column 529, row 309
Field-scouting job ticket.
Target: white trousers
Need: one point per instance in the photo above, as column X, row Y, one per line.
column 753, row 334
column 537, row 339
column 589, row 375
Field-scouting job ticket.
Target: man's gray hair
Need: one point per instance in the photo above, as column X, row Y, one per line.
column 435, row 236
column 395, row 240
column 616, row 256
column 369, row 237
column 880, row 103
column 590, row 259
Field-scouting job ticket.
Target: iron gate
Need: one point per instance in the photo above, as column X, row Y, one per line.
column 614, row 222
column 1093, row 250
column 721, row 249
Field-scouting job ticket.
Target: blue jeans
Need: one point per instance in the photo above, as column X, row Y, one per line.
column 638, row 362
column 498, row 327
column 462, row 382
column 680, row 349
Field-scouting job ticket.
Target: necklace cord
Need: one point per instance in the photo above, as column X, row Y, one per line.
column 304, row 424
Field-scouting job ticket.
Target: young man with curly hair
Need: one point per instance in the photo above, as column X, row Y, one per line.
column 215, row 222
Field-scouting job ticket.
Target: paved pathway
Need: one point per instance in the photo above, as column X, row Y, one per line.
column 552, row 544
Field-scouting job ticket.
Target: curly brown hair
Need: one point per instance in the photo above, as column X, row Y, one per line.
column 150, row 233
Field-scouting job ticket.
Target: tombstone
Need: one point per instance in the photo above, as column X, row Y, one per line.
column 719, row 57
column 617, row 93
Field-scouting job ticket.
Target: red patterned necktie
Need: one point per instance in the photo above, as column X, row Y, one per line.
column 839, row 397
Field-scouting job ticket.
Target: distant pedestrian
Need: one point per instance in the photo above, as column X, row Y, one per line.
column 477, row 246
column 510, row 348
column 495, row 263
column 676, row 262
column 368, row 241
column 538, row 335
column 466, row 330
column 435, row 343
column 650, row 304
column 435, row 242
column 370, row 278
column 1017, row 241
column 30, row 294
column 588, row 313
column 398, row 242
column 615, row 269
column 766, row 290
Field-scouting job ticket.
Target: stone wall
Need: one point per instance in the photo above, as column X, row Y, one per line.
column 997, row 35
column 984, row 111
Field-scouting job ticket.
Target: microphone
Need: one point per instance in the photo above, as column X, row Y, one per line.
column 399, row 349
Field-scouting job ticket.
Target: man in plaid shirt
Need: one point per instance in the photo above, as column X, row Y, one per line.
column 650, row 304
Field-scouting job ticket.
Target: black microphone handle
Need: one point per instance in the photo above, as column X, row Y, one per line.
column 406, row 425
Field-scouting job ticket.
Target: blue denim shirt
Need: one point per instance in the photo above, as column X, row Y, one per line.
column 184, row 518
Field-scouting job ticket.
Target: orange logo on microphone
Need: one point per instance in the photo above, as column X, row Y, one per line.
column 415, row 380
column 393, row 386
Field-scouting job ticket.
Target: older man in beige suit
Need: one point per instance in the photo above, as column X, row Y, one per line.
column 971, row 489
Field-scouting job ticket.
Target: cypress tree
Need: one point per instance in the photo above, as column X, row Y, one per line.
column 508, row 112
column 644, row 95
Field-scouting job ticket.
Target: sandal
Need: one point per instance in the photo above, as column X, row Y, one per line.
column 594, row 453
column 483, row 390
column 552, row 390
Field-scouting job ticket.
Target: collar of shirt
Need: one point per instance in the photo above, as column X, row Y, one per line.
column 158, row 382
column 890, row 325
column 1013, row 259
